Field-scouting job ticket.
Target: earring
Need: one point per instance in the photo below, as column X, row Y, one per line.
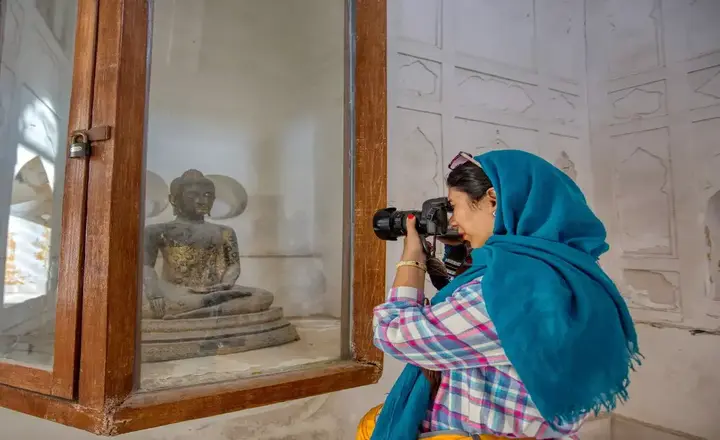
column 494, row 214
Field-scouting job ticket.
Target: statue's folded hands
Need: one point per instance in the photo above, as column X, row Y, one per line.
column 213, row 288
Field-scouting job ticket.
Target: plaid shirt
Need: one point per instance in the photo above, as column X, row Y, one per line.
column 480, row 392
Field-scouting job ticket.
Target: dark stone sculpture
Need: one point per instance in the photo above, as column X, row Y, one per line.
column 200, row 265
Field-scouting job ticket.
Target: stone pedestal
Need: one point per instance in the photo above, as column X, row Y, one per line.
column 170, row 339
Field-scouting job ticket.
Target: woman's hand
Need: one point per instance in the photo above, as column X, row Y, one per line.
column 413, row 249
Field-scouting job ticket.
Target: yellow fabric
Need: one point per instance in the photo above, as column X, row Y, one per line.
column 367, row 425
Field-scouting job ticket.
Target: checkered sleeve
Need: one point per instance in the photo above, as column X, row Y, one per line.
column 454, row 334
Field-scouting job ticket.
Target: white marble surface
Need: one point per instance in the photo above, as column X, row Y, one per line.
column 320, row 341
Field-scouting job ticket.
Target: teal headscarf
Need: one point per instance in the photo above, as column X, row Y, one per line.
column 560, row 319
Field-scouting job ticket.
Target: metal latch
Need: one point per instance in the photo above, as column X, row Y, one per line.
column 80, row 141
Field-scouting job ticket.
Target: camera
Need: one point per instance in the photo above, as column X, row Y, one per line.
column 432, row 220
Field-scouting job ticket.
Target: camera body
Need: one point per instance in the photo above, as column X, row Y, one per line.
column 432, row 220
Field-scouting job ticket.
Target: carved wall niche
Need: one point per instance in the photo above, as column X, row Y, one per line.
column 478, row 137
column 568, row 153
column 563, row 106
column 489, row 92
column 634, row 35
column 564, row 162
column 654, row 136
column 643, row 192
column 705, row 134
column 418, row 152
column 479, row 24
column 420, row 137
column 705, row 86
column 420, row 78
column 637, row 102
column 652, row 290
column 712, row 234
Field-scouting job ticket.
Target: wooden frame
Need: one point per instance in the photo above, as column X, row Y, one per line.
column 60, row 381
column 106, row 401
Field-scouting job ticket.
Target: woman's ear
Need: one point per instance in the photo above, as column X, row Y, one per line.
column 492, row 196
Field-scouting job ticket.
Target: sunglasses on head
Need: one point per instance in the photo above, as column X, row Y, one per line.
column 461, row 159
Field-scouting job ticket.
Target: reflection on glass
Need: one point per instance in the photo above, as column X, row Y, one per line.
column 243, row 235
column 35, row 82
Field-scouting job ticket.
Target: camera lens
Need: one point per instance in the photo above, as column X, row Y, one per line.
column 384, row 224
column 389, row 223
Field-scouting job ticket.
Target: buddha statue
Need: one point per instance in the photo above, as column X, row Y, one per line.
column 200, row 265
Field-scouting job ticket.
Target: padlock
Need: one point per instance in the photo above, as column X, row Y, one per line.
column 79, row 146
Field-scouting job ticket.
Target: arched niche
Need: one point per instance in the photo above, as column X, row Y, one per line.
column 712, row 233
column 564, row 162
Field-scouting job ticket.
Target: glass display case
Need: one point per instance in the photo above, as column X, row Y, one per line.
column 188, row 202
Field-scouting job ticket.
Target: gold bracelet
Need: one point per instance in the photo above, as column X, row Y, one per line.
column 415, row 264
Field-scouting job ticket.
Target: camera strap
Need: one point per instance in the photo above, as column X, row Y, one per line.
column 455, row 257
column 441, row 272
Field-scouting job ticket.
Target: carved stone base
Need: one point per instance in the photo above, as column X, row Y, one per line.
column 171, row 339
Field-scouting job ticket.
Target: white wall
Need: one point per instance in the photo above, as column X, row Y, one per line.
column 474, row 75
column 234, row 92
column 654, row 93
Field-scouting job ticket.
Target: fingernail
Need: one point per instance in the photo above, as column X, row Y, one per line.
column 411, row 216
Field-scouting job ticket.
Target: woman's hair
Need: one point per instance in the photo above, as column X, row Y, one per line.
column 470, row 179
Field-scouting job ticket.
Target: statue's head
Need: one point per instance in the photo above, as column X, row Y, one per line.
column 192, row 195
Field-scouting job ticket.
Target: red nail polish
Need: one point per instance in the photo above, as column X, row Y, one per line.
column 411, row 216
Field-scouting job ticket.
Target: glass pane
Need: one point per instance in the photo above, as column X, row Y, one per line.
column 244, row 191
column 35, row 83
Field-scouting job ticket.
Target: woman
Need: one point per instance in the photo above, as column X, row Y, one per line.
column 530, row 339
